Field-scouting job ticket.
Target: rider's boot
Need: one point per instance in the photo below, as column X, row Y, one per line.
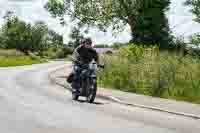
column 76, row 91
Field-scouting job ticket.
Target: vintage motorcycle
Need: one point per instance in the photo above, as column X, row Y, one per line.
column 88, row 81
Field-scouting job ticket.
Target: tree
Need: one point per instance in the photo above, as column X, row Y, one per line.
column 195, row 8
column 75, row 37
column 39, row 36
column 195, row 40
column 146, row 18
column 16, row 34
column 8, row 14
column 55, row 38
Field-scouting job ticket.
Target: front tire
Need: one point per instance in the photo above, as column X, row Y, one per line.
column 92, row 92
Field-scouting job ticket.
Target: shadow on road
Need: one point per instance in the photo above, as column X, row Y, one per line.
column 96, row 103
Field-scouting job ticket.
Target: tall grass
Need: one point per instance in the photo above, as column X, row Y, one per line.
column 151, row 72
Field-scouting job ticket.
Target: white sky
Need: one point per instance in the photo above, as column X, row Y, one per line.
column 32, row 10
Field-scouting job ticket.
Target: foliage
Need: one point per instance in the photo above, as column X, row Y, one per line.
column 195, row 8
column 102, row 46
column 195, row 40
column 179, row 43
column 63, row 52
column 75, row 37
column 24, row 37
column 55, row 39
column 37, row 38
column 131, row 52
column 146, row 18
column 22, row 43
column 155, row 73
column 60, row 52
column 118, row 45
column 55, row 7
column 193, row 48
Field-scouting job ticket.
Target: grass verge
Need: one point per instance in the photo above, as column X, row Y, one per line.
column 154, row 73
column 16, row 58
column 18, row 61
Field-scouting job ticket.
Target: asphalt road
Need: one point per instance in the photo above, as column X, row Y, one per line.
column 30, row 103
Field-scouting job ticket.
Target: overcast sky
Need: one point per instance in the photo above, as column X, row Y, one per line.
column 180, row 19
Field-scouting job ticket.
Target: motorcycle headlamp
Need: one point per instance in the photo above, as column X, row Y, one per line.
column 93, row 66
column 75, row 68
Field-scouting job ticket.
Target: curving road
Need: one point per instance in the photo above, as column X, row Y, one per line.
column 30, row 103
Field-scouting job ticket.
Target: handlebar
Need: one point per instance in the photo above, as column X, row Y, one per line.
column 81, row 63
column 98, row 65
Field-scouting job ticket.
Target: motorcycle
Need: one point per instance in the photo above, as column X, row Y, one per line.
column 88, row 81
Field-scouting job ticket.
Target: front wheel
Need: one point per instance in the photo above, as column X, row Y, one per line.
column 92, row 92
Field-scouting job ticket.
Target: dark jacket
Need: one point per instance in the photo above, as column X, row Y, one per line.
column 85, row 55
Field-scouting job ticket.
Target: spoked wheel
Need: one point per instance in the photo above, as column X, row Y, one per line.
column 92, row 91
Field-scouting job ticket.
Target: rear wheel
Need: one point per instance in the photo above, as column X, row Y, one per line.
column 92, row 90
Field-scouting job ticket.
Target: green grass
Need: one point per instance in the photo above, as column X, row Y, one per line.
column 16, row 58
column 18, row 61
column 159, row 74
column 10, row 53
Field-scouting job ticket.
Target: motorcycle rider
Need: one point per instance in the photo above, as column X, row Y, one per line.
column 83, row 54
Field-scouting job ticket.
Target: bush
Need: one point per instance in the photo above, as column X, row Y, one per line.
column 54, row 53
column 34, row 56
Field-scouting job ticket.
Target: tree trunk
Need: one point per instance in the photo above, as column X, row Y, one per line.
column 132, row 24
